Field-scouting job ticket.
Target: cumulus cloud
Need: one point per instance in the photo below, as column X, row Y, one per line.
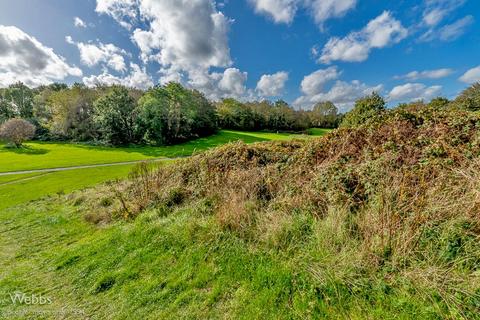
column 216, row 85
column 107, row 55
column 272, row 85
column 79, row 23
column 186, row 38
column 413, row 92
column 281, row 11
column 183, row 34
column 471, row 76
column 123, row 11
column 380, row 32
column 427, row 74
column 24, row 58
column 343, row 94
column 137, row 78
column 314, row 82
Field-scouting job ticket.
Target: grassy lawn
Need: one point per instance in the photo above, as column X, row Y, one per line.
column 318, row 131
column 44, row 184
column 16, row 177
column 39, row 155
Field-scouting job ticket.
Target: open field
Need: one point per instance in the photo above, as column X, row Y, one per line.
column 40, row 185
column 39, row 155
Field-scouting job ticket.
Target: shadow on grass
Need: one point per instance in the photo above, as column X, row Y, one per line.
column 183, row 149
column 23, row 150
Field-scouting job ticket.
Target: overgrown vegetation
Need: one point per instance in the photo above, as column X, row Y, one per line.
column 386, row 210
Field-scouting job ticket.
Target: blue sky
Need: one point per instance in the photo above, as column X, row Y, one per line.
column 303, row 51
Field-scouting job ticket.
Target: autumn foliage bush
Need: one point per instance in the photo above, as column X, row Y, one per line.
column 16, row 131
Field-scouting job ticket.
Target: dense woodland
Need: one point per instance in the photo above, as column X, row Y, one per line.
column 171, row 113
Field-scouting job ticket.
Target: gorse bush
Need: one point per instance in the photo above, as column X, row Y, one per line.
column 390, row 207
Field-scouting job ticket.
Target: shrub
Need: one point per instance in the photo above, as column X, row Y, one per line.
column 17, row 131
column 365, row 109
column 470, row 98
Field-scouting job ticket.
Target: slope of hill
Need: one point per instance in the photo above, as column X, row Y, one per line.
column 380, row 221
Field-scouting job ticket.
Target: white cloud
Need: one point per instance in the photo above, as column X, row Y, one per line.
column 413, row 92
column 233, row 80
column 436, row 10
column 216, row 85
column 107, row 55
column 380, row 32
column 186, row 38
column 322, row 10
column 314, row 82
column 453, row 31
column 24, row 58
column 281, row 11
column 272, row 85
column 184, row 35
column 79, row 23
column 137, row 78
column 427, row 74
column 471, row 76
column 342, row 94
column 123, row 11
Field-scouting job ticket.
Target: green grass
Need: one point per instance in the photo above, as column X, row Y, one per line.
column 318, row 131
column 180, row 265
column 16, row 177
column 56, row 182
column 37, row 155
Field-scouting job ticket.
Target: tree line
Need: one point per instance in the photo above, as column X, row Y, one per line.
column 169, row 114
column 162, row 115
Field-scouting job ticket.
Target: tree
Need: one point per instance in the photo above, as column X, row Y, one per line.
column 470, row 98
column 364, row 109
column 115, row 115
column 233, row 114
column 439, row 103
column 172, row 113
column 324, row 115
column 17, row 131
